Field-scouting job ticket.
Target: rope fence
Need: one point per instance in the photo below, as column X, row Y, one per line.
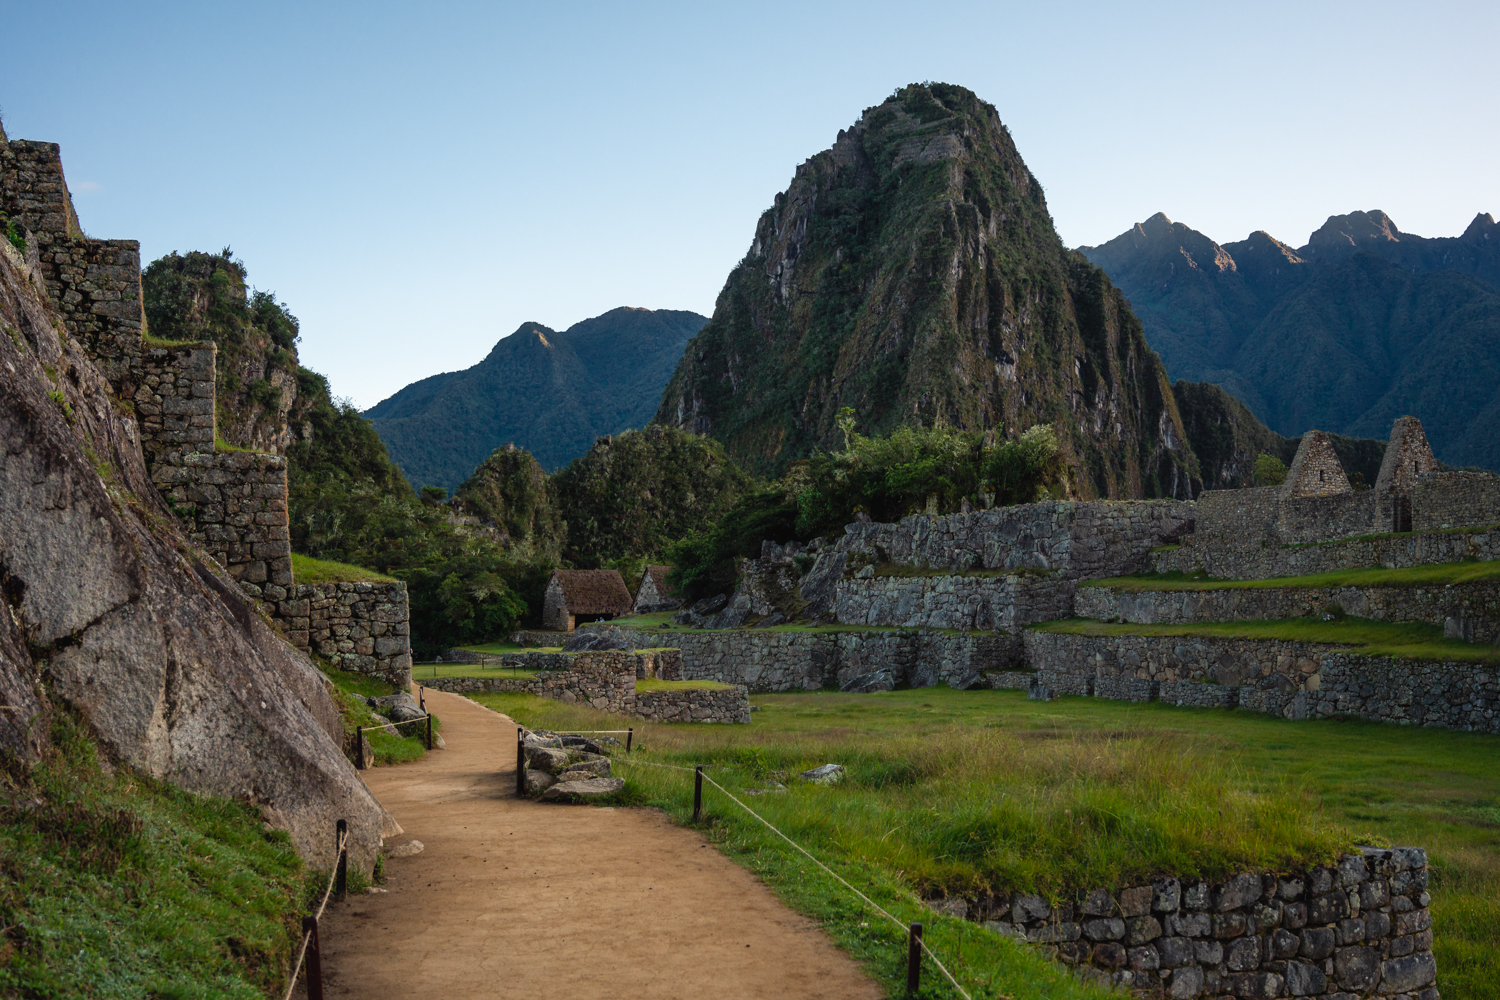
column 310, row 952
column 387, row 727
column 916, row 945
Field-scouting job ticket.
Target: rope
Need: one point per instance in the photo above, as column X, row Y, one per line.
column 872, row 904
column 650, row 763
column 581, row 732
column 307, row 935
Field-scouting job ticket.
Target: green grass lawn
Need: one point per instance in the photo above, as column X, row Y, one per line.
column 119, row 886
column 1410, row 576
column 655, row 684
column 306, row 569
column 959, row 791
column 1410, row 640
column 407, row 743
column 654, row 620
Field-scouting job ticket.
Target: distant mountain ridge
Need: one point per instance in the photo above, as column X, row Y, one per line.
column 1361, row 325
column 550, row 392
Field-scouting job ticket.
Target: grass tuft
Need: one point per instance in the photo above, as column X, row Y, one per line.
column 306, row 569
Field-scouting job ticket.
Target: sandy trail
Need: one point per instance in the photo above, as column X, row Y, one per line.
column 512, row 897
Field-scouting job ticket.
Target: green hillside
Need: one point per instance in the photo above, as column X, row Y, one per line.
column 549, row 392
column 912, row 273
column 1362, row 325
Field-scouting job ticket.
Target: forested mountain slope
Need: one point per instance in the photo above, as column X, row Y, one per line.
column 551, row 393
column 912, row 273
column 1363, row 324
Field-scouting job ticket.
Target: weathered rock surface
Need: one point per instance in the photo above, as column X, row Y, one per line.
column 826, row 774
column 591, row 788
column 398, row 707
column 122, row 617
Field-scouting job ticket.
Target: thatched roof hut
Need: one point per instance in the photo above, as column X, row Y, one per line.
column 575, row 595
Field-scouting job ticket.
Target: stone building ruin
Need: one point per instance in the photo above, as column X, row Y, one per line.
column 653, row 593
column 233, row 503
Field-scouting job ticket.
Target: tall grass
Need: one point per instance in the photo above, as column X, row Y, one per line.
column 953, row 789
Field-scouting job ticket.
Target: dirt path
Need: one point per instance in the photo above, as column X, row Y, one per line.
column 513, row 898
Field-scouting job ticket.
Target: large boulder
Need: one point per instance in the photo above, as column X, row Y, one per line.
column 111, row 608
column 398, row 707
column 592, row 788
column 869, row 683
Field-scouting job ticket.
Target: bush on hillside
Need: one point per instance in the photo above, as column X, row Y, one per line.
column 635, row 493
column 887, row 478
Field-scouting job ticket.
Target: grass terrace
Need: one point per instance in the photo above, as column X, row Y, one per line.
column 656, row 684
column 1367, row 637
column 1412, row 576
column 306, row 569
column 959, row 792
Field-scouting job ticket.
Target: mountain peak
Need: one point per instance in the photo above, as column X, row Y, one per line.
column 1346, row 233
column 913, row 274
column 1482, row 228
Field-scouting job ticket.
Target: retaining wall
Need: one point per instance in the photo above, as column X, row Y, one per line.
column 1475, row 604
column 1449, row 499
column 1292, row 679
column 1255, row 559
column 981, row 603
column 1358, row 929
column 766, row 660
column 364, row 627
column 606, row 680
column 235, row 506
column 1078, row 539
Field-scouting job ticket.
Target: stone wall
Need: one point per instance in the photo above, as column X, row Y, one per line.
column 1268, row 664
column 1359, row 928
column 981, row 603
column 766, row 660
column 364, row 627
column 1077, row 539
column 235, row 506
column 1477, row 604
column 1451, row 499
column 1292, row 679
column 605, row 680
column 1259, row 559
column 694, row 705
column 173, row 392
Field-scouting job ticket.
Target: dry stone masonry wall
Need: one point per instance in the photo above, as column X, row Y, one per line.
column 805, row 660
column 1259, row 559
column 605, row 680
column 1358, row 929
column 362, row 626
column 1294, row 680
column 965, row 603
column 1477, row 605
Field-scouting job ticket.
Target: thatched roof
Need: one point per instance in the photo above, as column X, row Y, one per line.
column 658, row 575
column 594, row 591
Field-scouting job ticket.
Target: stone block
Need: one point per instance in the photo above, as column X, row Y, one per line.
column 1411, row 972
column 1356, row 968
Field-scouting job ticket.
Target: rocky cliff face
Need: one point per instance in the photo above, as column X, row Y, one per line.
column 113, row 613
column 912, row 272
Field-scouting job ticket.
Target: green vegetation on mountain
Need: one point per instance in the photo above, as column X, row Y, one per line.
column 885, row 479
column 1362, row 325
column 549, row 392
column 1230, row 442
column 912, row 273
column 511, row 499
column 202, row 296
column 632, row 494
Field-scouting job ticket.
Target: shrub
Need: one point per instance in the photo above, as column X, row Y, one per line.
column 1269, row 471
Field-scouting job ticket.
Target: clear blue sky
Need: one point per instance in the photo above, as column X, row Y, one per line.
column 416, row 180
